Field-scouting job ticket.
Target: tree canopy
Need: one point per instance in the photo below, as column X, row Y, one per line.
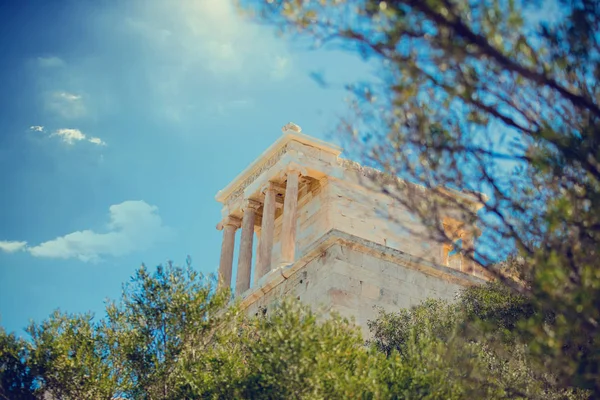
column 499, row 98
column 172, row 336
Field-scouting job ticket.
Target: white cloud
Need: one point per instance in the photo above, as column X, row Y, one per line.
column 11, row 246
column 70, row 136
column 67, row 105
column 36, row 128
column 97, row 141
column 134, row 226
column 50, row 62
column 68, row 96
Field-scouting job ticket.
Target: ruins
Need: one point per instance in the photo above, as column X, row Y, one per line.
column 311, row 230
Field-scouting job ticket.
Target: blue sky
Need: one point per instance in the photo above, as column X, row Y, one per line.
column 119, row 122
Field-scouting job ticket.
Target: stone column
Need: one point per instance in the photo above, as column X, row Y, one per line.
column 257, row 232
column 229, row 226
column 290, row 217
column 265, row 249
column 246, row 241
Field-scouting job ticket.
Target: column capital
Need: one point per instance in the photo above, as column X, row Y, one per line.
column 269, row 185
column 251, row 204
column 227, row 248
column 292, row 168
column 295, row 167
column 229, row 221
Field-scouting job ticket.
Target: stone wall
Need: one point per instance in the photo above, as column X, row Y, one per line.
column 354, row 279
column 378, row 218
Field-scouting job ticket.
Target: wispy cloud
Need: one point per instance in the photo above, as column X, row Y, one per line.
column 65, row 104
column 97, row 141
column 213, row 35
column 134, row 226
column 68, row 96
column 50, row 62
column 178, row 49
column 232, row 43
column 70, row 135
column 12, row 246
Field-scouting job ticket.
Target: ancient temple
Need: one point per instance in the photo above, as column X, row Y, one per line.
column 312, row 230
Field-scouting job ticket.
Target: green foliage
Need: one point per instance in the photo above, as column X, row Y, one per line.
column 68, row 358
column 392, row 331
column 475, row 342
column 495, row 307
column 291, row 353
column 160, row 316
column 172, row 336
column 16, row 379
column 136, row 351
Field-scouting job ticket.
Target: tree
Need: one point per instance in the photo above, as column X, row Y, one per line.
column 162, row 316
column 135, row 351
column 472, row 343
column 292, row 353
column 16, row 380
column 69, row 359
column 497, row 97
column 172, row 336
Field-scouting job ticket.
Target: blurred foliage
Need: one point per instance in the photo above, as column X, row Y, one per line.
column 498, row 99
column 16, row 379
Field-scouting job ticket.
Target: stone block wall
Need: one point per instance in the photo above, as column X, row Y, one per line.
column 352, row 283
column 378, row 218
column 362, row 282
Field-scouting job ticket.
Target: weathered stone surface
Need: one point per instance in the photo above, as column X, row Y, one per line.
column 245, row 257
column 265, row 250
column 332, row 281
column 290, row 217
column 229, row 226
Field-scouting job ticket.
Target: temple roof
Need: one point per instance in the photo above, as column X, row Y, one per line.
column 291, row 132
